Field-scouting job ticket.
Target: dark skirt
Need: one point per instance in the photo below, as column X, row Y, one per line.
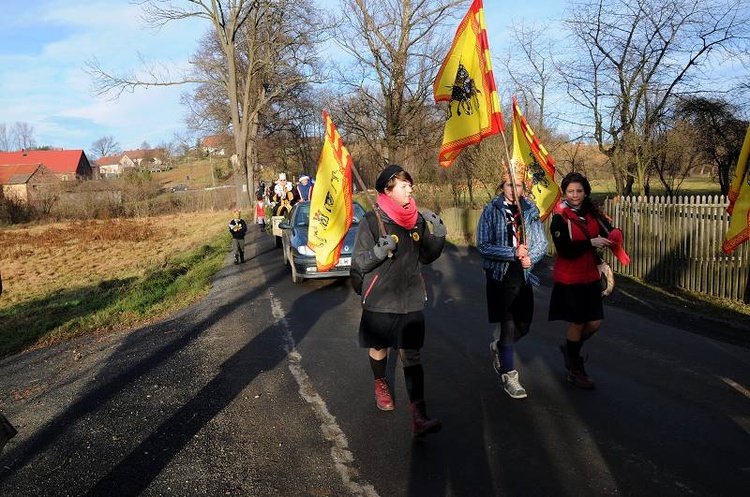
column 511, row 299
column 576, row 303
column 380, row 330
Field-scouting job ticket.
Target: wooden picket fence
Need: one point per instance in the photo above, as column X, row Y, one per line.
column 677, row 242
column 672, row 241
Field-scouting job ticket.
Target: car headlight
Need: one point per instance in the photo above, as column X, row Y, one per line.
column 305, row 250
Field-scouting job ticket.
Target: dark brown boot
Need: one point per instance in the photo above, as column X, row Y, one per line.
column 421, row 425
column 577, row 374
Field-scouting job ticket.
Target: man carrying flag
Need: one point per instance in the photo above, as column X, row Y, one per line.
column 331, row 203
column 739, row 202
column 465, row 80
column 538, row 165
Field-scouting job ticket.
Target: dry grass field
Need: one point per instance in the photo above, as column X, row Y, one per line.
column 39, row 260
column 65, row 279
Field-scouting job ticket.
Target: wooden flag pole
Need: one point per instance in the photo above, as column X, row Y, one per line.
column 374, row 205
column 512, row 176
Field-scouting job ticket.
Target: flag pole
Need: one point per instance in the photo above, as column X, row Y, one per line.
column 373, row 203
column 512, row 176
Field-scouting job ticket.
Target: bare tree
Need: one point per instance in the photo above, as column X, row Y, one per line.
column 263, row 47
column 22, row 136
column 104, row 146
column 675, row 154
column 634, row 56
column 530, row 72
column 4, row 138
column 717, row 135
column 396, row 47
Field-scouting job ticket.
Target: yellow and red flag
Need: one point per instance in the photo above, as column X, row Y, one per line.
column 539, row 165
column 739, row 202
column 466, row 82
column 331, row 202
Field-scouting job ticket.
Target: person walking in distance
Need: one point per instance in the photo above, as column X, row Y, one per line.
column 238, row 230
column 508, row 257
column 578, row 231
column 260, row 212
column 388, row 255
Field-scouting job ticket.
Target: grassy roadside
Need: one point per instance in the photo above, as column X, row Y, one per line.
column 72, row 279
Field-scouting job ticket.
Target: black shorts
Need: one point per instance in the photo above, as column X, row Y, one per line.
column 380, row 330
column 511, row 299
column 576, row 303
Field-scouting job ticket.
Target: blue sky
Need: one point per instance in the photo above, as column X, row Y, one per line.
column 44, row 45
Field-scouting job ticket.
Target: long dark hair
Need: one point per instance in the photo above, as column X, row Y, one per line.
column 587, row 205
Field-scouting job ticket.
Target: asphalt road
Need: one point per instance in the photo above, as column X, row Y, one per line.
column 261, row 390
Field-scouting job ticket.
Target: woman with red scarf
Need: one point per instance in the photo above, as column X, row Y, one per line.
column 578, row 231
column 389, row 255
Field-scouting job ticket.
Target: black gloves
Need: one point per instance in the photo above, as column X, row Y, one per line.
column 384, row 244
column 438, row 227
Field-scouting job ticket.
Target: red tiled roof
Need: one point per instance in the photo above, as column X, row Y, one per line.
column 215, row 141
column 108, row 160
column 16, row 174
column 57, row 161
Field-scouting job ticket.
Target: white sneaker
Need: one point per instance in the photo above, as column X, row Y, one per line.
column 512, row 386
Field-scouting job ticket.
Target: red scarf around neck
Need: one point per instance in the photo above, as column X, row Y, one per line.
column 406, row 217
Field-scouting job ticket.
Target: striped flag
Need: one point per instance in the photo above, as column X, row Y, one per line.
column 331, row 203
column 540, row 167
column 466, row 82
column 739, row 202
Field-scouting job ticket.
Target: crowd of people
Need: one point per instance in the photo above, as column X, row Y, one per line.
column 281, row 196
column 394, row 240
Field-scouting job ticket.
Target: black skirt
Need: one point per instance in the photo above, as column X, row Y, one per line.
column 511, row 299
column 380, row 330
column 576, row 303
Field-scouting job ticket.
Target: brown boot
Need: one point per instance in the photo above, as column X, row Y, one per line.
column 577, row 374
column 421, row 425
column 383, row 395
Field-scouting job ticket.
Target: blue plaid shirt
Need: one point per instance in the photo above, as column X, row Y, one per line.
column 492, row 239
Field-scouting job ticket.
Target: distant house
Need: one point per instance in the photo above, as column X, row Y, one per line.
column 217, row 144
column 66, row 165
column 25, row 182
column 112, row 166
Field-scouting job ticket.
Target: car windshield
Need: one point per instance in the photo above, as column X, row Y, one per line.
column 302, row 218
column 358, row 213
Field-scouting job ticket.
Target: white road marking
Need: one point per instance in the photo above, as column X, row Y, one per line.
column 343, row 459
column 744, row 391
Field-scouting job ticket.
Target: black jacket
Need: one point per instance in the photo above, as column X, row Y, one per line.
column 395, row 284
column 238, row 229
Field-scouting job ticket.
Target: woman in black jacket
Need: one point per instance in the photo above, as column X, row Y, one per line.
column 388, row 255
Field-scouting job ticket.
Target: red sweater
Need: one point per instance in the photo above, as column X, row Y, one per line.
column 576, row 258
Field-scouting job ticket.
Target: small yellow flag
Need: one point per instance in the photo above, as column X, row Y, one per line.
column 540, row 167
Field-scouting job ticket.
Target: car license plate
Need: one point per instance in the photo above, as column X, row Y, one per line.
column 345, row 261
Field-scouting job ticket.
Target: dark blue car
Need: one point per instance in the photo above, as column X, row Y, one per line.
column 300, row 257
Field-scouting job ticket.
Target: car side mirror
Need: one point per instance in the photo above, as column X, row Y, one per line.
column 284, row 225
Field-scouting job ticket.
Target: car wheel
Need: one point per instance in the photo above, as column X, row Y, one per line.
column 296, row 278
